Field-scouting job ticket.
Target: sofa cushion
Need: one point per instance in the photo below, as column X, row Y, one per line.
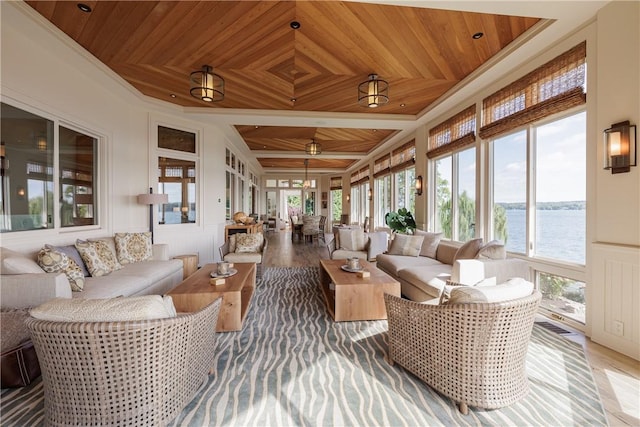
column 394, row 263
column 133, row 247
column 249, row 243
column 469, row 250
column 492, row 250
column 430, row 243
column 97, row 257
column 72, row 253
column 16, row 263
column 403, row 244
column 232, row 242
column 512, row 289
column 146, row 307
column 352, row 239
column 430, row 280
column 53, row 261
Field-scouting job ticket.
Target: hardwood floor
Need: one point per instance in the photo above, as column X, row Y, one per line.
column 617, row 376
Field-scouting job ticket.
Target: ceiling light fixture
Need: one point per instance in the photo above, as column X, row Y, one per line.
column 84, row 7
column 313, row 148
column 206, row 85
column 306, row 184
column 477, row 35
column 373, row 92
column 294, row 24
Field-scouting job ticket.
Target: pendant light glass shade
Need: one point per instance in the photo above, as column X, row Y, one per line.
column 313, row 148
column 206, row 85
column 373, row 92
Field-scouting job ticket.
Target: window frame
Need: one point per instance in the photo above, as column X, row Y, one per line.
column 101, row 185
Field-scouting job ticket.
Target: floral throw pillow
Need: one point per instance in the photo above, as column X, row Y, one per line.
column 133, row 247
column 249, row 243
column 53, row 261
column 98, row 257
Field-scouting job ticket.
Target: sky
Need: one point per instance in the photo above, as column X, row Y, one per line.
column 559, row 167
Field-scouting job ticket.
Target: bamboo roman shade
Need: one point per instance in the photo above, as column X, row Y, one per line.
column 453, row 134
column 360, row 177
column 403, row 156
column 382, row 166
column 335, row 183
column 554, row 87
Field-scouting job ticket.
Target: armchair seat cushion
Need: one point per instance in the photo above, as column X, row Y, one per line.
column 244, row 257
column 344, row 254
column 148, row 307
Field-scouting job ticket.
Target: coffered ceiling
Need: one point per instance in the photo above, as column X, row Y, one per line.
column 270, row 66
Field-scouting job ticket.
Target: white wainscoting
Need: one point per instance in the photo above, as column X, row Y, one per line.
column 616, row 297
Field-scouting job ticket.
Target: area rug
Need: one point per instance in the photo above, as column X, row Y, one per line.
column 291, row 365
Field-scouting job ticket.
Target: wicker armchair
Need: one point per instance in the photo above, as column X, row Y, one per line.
column 123, row 373
column 473, row 353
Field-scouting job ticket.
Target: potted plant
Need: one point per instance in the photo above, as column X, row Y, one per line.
column 401, row 221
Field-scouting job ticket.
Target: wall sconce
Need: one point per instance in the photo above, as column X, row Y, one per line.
column 20, row 191
column 348, row 198
column 419, row 185
column 620, row 147
column 370, row 194
column 41, row 142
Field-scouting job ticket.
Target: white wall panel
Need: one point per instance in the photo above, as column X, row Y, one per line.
column 616, row 295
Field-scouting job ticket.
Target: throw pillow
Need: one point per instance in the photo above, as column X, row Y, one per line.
column 232, row 243
column 146, row 307
column 133, row 247
column 469, row 250
column 16, row 263
column 249, row 243
column 492, row 250
column 352, row 239
column 512, row 289
column 72, row 253
column 430, row 243
column 53, row 261
column 97, row 256
column 403, row 244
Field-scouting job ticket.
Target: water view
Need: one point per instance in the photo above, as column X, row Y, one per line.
column 560, row 233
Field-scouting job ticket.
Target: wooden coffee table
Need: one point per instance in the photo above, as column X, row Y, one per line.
column 196, row 292
column 349, row 297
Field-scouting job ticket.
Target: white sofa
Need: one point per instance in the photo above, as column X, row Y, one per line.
column 423, row 278
column 157, row 275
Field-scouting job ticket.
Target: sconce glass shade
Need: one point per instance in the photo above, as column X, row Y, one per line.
column 370, row 194
column 620, row 147
column 419, row 185
column 206, row 85
column 373, row 92
column 41, row 141
column 313, row 148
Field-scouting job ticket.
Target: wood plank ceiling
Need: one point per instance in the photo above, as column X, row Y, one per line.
column 268, row 65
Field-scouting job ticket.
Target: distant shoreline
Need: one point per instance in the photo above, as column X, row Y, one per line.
column 547, row 206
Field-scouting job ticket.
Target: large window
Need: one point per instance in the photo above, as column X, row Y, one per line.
column 28, row 199
column 560, row 219
column 335, row 185
column 510, row 191
column 382, row 199
column 443, row 192
column 405, row 187
column 177, row 175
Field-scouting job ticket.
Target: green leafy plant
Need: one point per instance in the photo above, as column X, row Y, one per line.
column 401, row 221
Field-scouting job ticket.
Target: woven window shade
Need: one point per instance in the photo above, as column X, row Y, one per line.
column 554, row 87
column 382, row 166
column 363, row 176
column 335, row 183
column 453, row 134
column 355, row 177
column 404, row 156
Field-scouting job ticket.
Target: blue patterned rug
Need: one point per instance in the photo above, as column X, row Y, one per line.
column 292, row 365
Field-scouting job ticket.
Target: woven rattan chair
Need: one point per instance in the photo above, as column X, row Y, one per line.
column 139, row 373
column 473, row 353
